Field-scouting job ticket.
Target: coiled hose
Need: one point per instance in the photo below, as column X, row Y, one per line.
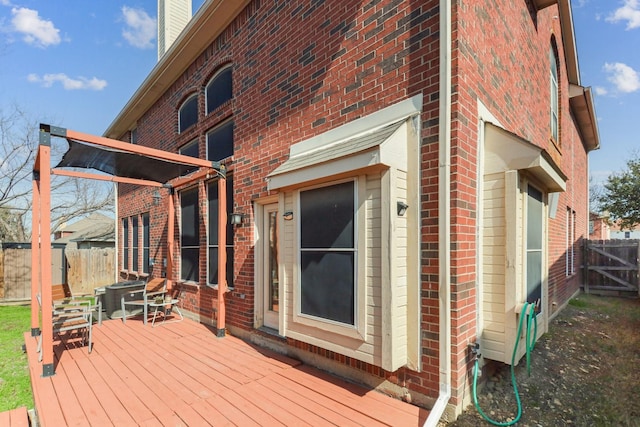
column 529, row 310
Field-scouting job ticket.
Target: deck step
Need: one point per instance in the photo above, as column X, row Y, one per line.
column 15, row 418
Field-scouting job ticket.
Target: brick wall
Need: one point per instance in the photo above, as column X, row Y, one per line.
column 302, row 68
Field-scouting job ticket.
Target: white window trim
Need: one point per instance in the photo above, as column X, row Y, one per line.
column 211, row 80
column 358, row 330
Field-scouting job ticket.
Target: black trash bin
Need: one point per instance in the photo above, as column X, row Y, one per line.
column 113, row 294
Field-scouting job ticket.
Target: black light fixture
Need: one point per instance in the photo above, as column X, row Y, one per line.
column 402, row 208
column 156, row 197
column 236, row 218
column 288, row 215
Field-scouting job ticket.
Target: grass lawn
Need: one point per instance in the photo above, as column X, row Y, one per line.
column 15, row 385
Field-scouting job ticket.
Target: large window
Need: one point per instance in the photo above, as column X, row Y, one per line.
column 190, row 149
column 189, row 235
column 554, row 103
column 188, row 114
column 220, row 141
column 571, row 237
column 534, row 230
column 219, row 90
column 213, row 246
column 328, row 252
column 125, row 243
column 135, row 242
column 146, row 242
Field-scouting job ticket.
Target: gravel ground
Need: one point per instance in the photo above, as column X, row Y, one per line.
column 584, row 372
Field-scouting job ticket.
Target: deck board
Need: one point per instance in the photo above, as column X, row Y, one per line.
column 182, row 374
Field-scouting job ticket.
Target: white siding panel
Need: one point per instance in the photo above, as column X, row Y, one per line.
column 493, row 268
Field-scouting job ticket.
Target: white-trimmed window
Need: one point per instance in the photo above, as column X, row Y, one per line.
column 189, row 149
column 219, row 89
column 220, row 141
column 554, row 101
column 146, row 242
column 188, row 113
column 189, row 235
column 125, row 243
column 328, row 253
column 570, row 267
column 212, row 245
column 135, row 243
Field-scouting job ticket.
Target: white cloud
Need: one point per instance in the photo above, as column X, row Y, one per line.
column 625, row 78
column 140, row 28
column 80, row 83
column 630, row 12
column 36, row 30
column 599, row 90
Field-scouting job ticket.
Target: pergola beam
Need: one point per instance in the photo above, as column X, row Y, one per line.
column 41, row 223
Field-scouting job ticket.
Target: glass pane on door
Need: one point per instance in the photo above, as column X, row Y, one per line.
column 272, row 270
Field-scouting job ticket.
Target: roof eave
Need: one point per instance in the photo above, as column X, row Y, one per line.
column 583, row 109
column 569, row 41
column 208, row 23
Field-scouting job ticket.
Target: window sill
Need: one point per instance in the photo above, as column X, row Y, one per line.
column 188, row 284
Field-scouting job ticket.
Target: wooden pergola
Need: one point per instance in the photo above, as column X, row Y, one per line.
column 121, row 154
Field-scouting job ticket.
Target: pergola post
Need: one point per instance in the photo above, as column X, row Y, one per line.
column 222, row 253
column 170, row 237
column 35, row 258
column 41, row 242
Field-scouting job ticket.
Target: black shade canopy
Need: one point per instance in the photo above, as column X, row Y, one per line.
column 119, row 163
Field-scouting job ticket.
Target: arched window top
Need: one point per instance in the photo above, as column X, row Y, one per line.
column 188, row 113
column 219, row 89
column 554, row 93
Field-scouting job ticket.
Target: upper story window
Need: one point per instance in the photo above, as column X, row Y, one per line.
column 219, row 90
column 188, row 114
column 554, row 102
column 220, row 141
column 133, row 137
column 189, row 149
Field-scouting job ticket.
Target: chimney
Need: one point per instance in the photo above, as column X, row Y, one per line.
column 173, row 16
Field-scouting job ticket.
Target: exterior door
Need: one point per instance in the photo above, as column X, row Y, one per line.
column 271, row 278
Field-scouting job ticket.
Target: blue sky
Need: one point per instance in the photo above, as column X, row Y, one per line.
column 75, row 64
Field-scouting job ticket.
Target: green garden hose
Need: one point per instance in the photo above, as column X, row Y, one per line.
column 529, row 310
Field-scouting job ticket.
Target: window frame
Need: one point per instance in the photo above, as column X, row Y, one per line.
column 135, row 243
column 230, row 233
column 191, row 247
column 209, row 87
column 358, row 329
column 219, row 128
column 125, row 243
column 554, row 99
column 146, row 242
column 188, row 103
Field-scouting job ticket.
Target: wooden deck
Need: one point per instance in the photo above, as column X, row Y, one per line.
column 180, row 374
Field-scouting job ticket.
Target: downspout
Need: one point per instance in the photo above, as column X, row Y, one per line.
column 444, row 216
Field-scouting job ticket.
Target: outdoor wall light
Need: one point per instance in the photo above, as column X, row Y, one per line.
column 402, row 208
column 288, row 215
column 236, row 218
column 156, row 198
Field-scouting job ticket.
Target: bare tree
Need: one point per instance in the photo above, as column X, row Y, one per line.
column 70, row 198
column 595, row 194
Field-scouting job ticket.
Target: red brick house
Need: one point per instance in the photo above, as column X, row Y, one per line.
column 405, row 174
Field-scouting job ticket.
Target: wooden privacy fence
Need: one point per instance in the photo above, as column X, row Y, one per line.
column 83, row 269
column 90, row 268
column 15, row 270
column 612, row 267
